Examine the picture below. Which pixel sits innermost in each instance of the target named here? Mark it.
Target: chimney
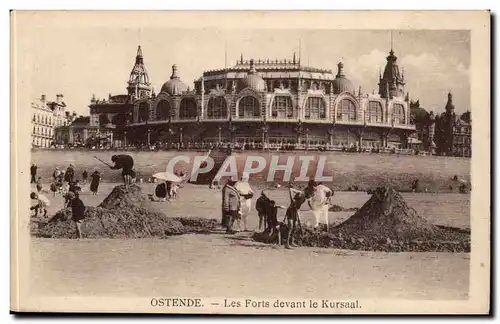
(42, 98)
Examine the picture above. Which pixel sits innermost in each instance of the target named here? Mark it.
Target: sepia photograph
(257, 162)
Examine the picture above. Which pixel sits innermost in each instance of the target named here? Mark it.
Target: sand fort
(384, 223)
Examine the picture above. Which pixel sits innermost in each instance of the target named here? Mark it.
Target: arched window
(34, 117)
(399, 114)
(50, 120)
(282, 107)
(375, 112)
(143, 113)
(34, 130)
(37, 118)
(315, 108)
(188, 109)
(163, 110)
(249, 107)
(103, 120)
(217, 108)
(346, 110)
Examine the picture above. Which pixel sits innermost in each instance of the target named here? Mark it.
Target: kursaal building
(263, 101)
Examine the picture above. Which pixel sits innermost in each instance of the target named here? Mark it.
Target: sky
(81, 61)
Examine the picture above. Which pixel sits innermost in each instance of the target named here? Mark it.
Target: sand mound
(122, 215)
(119, 197)
(386, 223)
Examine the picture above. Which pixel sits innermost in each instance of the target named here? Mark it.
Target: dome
(253, 80)
(174, 86)
(341, 83)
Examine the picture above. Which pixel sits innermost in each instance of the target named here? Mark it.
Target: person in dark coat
(264, 207)
(33, 172)
(161, 191)
(94, 183)
(77, 211)
(70, 174)
(85, 176)
(126, 163)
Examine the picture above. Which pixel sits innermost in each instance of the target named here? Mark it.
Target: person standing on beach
(39, 184)
(126, 163)
(94, 183)
(85, 176)
(33, 172)
(318, 197)
(77, 211)
(297, 198)
(56, 174)
(70, 174)
(230, 206)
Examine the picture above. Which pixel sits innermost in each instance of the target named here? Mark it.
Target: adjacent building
(46, 116)
(453, 133)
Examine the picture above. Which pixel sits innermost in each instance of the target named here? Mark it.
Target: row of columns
(300, 131)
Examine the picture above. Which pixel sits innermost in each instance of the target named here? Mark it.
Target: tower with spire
(450, 107)
(138, 83)
(391, 83)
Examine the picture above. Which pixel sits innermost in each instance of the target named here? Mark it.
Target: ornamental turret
(138, 83)
(391, 84)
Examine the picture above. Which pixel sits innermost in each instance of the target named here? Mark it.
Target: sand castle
(123, 215)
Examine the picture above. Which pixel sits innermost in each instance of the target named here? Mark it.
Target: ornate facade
(46, 116)
(263, 101)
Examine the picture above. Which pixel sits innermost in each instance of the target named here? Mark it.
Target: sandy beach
(234, 266)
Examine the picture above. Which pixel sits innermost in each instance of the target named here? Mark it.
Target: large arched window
(188, 109)
(143, 114)
(315, 108)
(163, 110)
(282, 107)
(103, 120)
(217, 108)
(375, 112)
(346, 110)
(399, 114)
(249, 107)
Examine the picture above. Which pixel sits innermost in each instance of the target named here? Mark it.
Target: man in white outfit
(318, 197)
(246, 194)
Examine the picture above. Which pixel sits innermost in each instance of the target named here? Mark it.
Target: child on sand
(39, 185)
(53, 188)
(42, 203)
(94, 184)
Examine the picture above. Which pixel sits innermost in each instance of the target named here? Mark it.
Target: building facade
(110, 117)
(273, 102)
(46, 116)
(452, 132)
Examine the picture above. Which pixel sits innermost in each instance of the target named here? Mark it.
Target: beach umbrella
(167, 176)
(243, 188)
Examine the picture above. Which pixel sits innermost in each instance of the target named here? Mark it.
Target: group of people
(64, 182)
(316, 194)
(167, 191)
